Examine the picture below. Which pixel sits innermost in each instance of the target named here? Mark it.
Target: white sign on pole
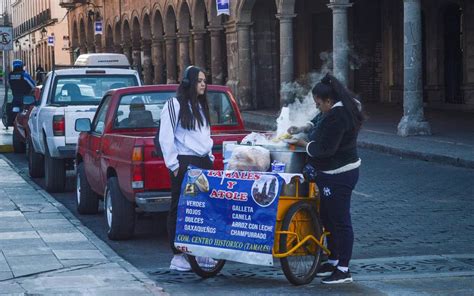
(222, 7)
(6, 38)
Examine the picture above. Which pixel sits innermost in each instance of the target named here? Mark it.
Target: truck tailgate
(72, 113)
(156, 173)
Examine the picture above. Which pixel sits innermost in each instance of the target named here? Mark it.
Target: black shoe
(338, 277)
(325, 270)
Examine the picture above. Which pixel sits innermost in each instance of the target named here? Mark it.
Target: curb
(431, 157)
(6, 148)
(108, 252)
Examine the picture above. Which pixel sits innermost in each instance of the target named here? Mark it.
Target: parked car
(117, 159)
(68, 94)
(21, 130)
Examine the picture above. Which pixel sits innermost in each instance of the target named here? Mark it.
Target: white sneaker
(180, 263)
(206, 262)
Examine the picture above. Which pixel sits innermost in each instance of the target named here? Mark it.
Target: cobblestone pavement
(414, 234)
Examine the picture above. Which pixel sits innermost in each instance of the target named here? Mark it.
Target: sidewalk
(44, 249)
(451, 142)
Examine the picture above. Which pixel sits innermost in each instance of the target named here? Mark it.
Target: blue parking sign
(50, 40)
(98, 27)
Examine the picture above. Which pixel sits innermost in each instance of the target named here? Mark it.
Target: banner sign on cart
(228, 215)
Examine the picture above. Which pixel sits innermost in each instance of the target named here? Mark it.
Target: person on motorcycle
(21, 85)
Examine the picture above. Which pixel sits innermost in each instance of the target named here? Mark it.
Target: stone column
(412, 122)
(147, 67)
(98, 42)
(126, 47)
(468, 55)
(136, 58)
(286, 52)
(118, 48)
(232, 58)
(216, 55)
(170, 42)
(340, 43)
(82, 48)
(245, 68)
(199, 53)
(183, 47)
(157, 59)
(90, 47)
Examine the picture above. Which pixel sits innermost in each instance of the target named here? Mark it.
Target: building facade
(416, 52)
(34, 21)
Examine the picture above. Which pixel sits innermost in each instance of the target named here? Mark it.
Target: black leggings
(184, 161)
(335, 191)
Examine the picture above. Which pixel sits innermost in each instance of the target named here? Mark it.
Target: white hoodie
(176, 140)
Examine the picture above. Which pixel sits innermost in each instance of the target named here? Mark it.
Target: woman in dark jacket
(332, 152)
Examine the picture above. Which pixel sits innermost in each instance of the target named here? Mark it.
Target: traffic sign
(50, 40)
(6, 40)
(98, 27)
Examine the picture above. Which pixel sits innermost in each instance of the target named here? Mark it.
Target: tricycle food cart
(299, 237)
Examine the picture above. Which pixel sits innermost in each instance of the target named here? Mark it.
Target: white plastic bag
(249, 158)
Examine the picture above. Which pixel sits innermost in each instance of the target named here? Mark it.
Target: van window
(87, 89)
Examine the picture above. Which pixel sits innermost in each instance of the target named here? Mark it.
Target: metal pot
(294, 159)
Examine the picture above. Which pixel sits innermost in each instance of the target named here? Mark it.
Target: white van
(102, 60)
(69, 94)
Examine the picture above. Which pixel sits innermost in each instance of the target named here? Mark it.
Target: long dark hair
(190, 102)
(331, 88)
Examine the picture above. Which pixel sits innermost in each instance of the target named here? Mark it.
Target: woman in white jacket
(185, 138)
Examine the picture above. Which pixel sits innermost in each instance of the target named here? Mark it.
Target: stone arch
(157, 25)
(146, 27)
(90, 35)
(74, 40)
(199, 17)
(118, 36)
(265, 48)
(170, 22)
(158, 49)
(82, 37)
(184, 18)
(126, 39)
(218, 46)
(244, 11)
(170, 43)
(451, 33)
(109, 38)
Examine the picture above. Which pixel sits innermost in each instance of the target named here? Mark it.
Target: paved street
(413, 225)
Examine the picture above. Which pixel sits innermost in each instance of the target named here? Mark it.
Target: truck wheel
(119, 212)
(18, 145)
(35, 161)
(54, 173)
(87, 200)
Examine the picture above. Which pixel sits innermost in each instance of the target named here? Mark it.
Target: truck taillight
(59, 125)
(137, 168)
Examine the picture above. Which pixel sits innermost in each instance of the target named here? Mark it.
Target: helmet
(17, 64)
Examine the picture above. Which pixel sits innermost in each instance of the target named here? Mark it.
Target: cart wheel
(300, 267)
(206, 267)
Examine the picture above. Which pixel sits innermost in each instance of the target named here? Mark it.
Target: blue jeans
(335, 191)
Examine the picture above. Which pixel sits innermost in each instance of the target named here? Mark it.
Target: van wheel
(54, 173)
(18, 145)
(119, 212)
(35, 161)
(87, 201)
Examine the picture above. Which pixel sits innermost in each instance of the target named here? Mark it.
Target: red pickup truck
(117, 159)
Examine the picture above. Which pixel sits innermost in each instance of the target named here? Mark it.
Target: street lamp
(43, 33)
